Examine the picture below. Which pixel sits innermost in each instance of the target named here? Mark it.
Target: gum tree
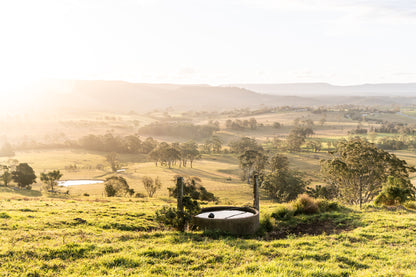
(357, 168)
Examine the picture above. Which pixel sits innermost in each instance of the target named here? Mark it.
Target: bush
(305, 204)
(109, 190)
(179, 220)
(282, 212)
(410, 205)
(139, 195)
(326, 192)
(395, 191)
(266, 224)
(117, 186)
(193, 189)
(151, 186)
(327, 206)
(4, 215)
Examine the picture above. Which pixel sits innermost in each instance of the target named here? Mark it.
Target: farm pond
(68, 183)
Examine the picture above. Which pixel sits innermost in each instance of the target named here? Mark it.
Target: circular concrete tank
(233, 220)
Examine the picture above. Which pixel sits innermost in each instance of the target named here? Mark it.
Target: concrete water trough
(229, 219)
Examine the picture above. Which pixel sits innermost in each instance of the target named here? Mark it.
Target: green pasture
(220, 174)
(84, 233)
(119, 237)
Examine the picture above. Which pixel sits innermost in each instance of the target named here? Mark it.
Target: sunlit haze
(207, 42)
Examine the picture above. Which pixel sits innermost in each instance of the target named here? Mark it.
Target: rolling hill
(120, 96)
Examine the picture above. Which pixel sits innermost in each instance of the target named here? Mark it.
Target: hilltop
(320, 89)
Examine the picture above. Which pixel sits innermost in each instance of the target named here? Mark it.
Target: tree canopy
(281, 183)
(357, 168)
(51, 178)
(117, 186)
(150, 185)
(24, 175)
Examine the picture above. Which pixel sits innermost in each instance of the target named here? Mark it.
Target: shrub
(266, 224)
(109, 190)
(410, 205)
(395, 191)
(305, 204)
(4, 215)
(177, 219)
(117, 186)
(326, 192)
(327, 206)
(282, 212)
(139, 195)
(193, 189)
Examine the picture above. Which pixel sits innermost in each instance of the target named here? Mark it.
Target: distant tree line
(212, 145)
(167, 154)
(241, 124)
(397, 142)
(109, 143)
(358, 130)
(395, 128)
(179, 130)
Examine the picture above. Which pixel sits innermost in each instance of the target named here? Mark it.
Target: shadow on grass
(23, 192)
(200, 173)
(333, 222)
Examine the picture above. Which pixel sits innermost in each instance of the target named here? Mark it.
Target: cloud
(374, 8)
(397, 7)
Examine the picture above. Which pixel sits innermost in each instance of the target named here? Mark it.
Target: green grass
(220, 173)
(75, 235)
(44, 237)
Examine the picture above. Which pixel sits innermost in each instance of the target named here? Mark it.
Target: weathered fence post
(256, 200)
(179, 186)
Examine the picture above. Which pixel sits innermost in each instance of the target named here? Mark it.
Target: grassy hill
(90, 237)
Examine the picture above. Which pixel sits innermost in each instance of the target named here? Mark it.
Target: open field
(219, 173)
(58, 128)
(73, 237)
(84, 233)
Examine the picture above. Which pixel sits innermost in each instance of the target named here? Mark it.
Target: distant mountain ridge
(120, 96)
(319, 89)
(142, 97)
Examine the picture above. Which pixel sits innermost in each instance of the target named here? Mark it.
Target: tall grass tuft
(305, 204)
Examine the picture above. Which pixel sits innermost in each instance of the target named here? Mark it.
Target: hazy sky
(211, 41)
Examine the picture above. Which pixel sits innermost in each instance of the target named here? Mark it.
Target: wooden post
(179, 186)
(256, 200)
